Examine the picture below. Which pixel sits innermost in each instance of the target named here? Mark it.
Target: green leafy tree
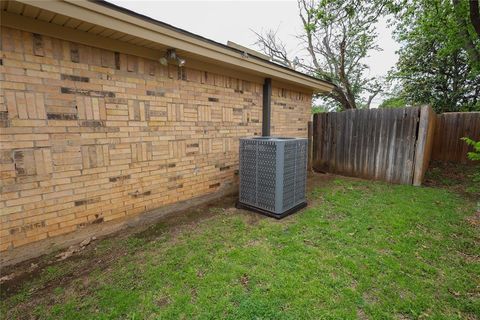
(393, 102)
(337, 35)
(439, 57)
(394, 97)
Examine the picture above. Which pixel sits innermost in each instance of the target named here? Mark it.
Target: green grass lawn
(365, 250)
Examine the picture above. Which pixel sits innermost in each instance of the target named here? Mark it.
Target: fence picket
(450, 128)
(374, 144)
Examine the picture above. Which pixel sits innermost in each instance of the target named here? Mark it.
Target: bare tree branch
(337, 35)
(273, 47)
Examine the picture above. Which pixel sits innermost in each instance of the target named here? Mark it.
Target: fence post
(423, 148)
(310, 145)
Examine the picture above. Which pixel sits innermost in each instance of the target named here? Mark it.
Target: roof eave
(110, 16)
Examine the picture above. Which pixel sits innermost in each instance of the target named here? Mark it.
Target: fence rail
(382, 144)
(449, 129)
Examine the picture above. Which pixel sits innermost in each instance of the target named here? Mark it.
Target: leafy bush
(475, 154)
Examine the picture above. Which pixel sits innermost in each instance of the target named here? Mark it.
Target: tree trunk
(475, 16)
(340, 96)
(343, 77)
(469, 46)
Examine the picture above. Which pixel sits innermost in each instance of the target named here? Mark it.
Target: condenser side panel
(248, 171)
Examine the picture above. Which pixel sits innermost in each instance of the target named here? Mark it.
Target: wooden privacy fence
(393, 145)
(449, 129)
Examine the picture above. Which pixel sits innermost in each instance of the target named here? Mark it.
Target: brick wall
(89, 136)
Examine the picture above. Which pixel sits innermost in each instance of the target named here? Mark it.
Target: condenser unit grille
(273, 173)
(266, 174)
(300, 171)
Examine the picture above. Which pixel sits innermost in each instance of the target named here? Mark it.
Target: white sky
(234, 20)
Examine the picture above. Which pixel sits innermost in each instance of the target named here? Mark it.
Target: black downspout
(267, 107)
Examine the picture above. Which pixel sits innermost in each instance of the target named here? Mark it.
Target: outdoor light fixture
(171, 55)
(163, 61)
(180, 62)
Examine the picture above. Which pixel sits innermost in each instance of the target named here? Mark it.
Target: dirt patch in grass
(89, 259)
(244, 280)
(162, 302)
(454, 177)
(316, 179)
(475, 219)
(361, 315)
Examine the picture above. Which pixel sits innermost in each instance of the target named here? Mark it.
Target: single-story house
(110, 118)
